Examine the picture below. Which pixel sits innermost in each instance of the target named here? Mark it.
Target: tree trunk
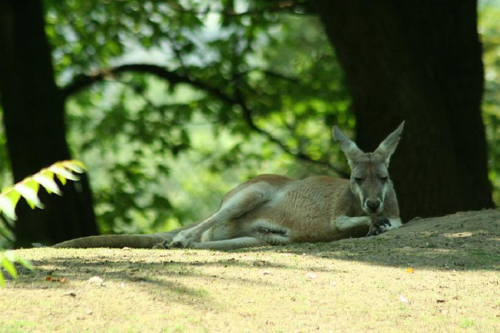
(33, 112)
(418, 61)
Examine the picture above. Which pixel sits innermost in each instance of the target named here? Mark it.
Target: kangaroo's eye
(358, 179)
(384, 179)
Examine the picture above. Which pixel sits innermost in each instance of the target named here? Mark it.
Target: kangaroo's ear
(351, 151)
(388, 146)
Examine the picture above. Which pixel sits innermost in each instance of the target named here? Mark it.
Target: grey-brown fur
(277, 210)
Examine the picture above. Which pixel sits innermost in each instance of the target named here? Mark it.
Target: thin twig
(247, 115)
(172, 77)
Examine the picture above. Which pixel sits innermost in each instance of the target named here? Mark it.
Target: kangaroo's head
(369, 171)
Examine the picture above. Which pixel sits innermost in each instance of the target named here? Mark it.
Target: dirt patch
(437, 274)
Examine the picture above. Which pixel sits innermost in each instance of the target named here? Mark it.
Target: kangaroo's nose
(373, 205)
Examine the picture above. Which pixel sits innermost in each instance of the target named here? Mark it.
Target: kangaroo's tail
(117, 241)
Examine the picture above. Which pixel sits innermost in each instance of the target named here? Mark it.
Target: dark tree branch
(284, 6)
(247, 115)
(84, 81)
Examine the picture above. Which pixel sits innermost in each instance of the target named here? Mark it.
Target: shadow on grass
(50, 272)
(176, 277)
(463, 241)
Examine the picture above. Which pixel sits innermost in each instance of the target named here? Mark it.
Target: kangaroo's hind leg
(230, 244)
(240, 203)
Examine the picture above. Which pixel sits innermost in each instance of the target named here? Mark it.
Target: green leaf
(26, 263)
(8, 202)
(9, 267)
(29, 191)
(62, 173)
(61, 179)
(10, 255)
(46, 179)
(28, 188)
(74, 165)
(2, 280)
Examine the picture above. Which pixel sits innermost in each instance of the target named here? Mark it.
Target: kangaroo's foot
(183, 239)
(160, 246)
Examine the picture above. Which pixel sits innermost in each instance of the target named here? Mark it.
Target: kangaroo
(277, 210)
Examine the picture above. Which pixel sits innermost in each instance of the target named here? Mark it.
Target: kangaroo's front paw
(379, 225)
(381, 222)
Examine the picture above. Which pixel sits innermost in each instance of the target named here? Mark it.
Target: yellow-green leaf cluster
(7, 260)
(28, 188)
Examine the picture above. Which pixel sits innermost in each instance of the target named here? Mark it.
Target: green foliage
(490, 37)
(7, 260)
(28, 189)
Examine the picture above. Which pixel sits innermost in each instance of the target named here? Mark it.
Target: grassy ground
(431, 275)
